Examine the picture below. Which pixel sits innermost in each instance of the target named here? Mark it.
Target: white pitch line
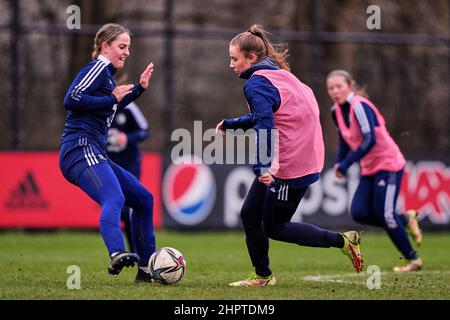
(340, 278)
(334, 278)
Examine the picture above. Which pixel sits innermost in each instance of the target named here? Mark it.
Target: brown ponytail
(107, 33)
(360, 91)
(255, 40)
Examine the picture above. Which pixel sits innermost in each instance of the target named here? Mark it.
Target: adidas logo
(26, 195)
(381, 183)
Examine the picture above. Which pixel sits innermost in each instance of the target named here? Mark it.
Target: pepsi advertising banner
(197, 196)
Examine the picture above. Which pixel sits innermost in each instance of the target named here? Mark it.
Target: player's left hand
(146, 75)
(266, 179)
(338, 174)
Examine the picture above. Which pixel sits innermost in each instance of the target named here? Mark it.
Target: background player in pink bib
(363, 138)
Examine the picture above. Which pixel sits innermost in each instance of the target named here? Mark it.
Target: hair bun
(255, 29)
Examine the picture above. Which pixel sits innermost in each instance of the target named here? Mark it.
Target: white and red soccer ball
(167, 265)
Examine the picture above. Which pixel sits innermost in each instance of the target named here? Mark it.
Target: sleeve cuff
(259, 171)
(226, 123)
(343, 167)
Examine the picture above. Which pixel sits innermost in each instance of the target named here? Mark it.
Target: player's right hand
(121, 91)
(266, 179)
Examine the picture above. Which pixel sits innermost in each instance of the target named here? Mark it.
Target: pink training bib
(299, 147)
(384, 155)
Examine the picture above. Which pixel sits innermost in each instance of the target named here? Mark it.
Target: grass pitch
(34, 266)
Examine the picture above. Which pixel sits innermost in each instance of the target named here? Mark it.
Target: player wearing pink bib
(364, 138)
(284, 114)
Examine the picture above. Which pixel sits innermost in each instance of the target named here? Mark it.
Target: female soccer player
(92, 102)
(364, 138)
(283, 110)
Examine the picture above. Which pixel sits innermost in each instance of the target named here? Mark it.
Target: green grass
(33, 266)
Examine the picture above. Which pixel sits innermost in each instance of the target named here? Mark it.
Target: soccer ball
(167, 265)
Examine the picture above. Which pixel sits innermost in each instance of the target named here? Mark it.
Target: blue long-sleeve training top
(90, 103)
(264, 100)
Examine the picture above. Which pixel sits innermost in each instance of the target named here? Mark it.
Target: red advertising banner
(426, 188)
(34, 193)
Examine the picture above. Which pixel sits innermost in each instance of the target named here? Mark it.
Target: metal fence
(315, 37)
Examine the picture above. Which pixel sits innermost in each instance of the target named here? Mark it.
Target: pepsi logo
(189, 191)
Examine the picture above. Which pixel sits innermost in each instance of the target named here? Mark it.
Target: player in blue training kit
(92, 102)
(128, 129)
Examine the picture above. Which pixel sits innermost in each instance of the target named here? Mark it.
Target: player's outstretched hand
(146, 75)
(121, 91)
(219, 128)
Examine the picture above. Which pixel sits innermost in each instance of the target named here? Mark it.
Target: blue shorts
(77, 155)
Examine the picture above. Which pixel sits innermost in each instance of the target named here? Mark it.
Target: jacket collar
(266, 63)
(104, 59)
(108, 63)
(350, 96)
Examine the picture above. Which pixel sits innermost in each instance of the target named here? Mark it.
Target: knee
(145, 200)
(147, 197)
(271, 231)
(359, 213)
(115, 202)
(389, 222)
(358, 217)
(385, 218)
(247, 217)
(112, 209)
